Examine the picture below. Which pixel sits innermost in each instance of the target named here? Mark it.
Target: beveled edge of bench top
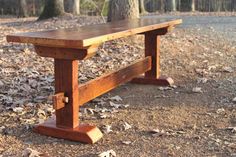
(93, 34)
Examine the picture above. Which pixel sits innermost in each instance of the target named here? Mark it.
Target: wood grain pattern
(105, 83)
(152, 48)
(82, 133)
(67, 46)
(66, 81)
(58, 101)
(93, 34)
(66, 53)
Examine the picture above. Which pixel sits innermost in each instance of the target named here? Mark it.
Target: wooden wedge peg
(59, 101)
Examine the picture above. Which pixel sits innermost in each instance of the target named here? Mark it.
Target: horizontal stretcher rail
(105, 83)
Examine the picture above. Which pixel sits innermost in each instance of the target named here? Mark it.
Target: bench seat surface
(93, 34)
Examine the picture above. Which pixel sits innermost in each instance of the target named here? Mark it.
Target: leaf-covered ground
(196, 117)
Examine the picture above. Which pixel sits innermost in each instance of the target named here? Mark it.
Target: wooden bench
(67, 46)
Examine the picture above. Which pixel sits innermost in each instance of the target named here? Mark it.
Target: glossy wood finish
(66, 81)
(152, 48)
(66, 53)
(59, 101)
(105, 83)
(94, 34)
(67, 46)
(82, 133)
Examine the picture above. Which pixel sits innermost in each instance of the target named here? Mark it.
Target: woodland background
(100, 7)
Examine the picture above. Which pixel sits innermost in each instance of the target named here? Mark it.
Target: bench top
(93, 34)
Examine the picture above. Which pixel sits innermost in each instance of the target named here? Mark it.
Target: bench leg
(66, 123)
(152, 48)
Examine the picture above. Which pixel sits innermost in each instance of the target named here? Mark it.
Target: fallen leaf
(115, 105)
(197, 90)
(180, 132)
(116, 98)
(41, 114)
(232, 129)
(2, 129)
(156, 132)
(28, 152)
(126, 142)
(1, 83)
(103, 116)
(18, 109)
(107, 129)
(90, 111)
(233, 146)
(234, 100)
(127, 126)
(202, 80)
(228, 69)
(126, 106)
(165, 88)
(220, 111)
(109, 153)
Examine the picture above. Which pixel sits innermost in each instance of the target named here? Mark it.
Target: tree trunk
(234, 5)
(22, 12)
(174, 5)
(72, 6)
(122, 9)
(52, 8)
(192, 5)
(161, 6)
(171, 5)
(141, 7)
(178, 5)
(34, 8)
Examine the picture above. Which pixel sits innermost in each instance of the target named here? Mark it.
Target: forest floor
(196, 117)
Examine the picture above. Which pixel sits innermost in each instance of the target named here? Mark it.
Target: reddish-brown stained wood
(82, 133)
(59, 101)
(67, 46)
(152, 48)
(66, 81)
(103, 84)
(160, 31)
(93, 34)
(66, 53)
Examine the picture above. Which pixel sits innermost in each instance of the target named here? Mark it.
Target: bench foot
(83, 133)
(161, 81)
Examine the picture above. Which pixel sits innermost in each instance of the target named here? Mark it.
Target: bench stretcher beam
(105, 83)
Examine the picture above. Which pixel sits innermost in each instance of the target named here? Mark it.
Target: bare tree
(142, 9)
(192, 5)
(171, 5)
(122, 9)
(22, 10)
(72, 6)
(162, 6)
(234, 5)
(52, 8)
